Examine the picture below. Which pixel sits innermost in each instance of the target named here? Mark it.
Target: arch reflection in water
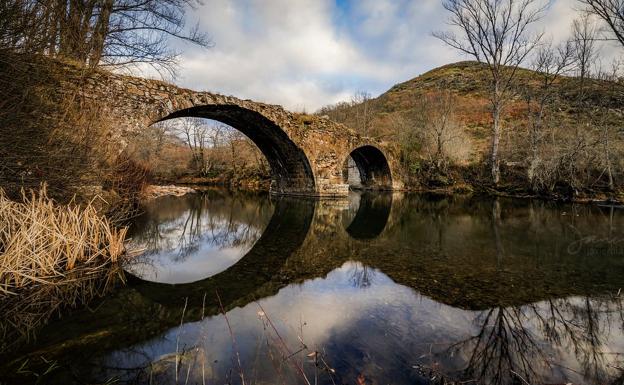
(196, 236)
(200, 235)
(371, 217)
(284, 235)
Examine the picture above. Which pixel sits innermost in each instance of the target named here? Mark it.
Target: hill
(554, 148)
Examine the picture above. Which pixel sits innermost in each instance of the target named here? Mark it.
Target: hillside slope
(578, 117)
(469, 83)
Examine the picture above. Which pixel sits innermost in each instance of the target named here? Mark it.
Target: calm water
(376, 289)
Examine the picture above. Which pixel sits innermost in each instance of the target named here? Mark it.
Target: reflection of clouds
(204, 262)
(197, 239)
(329, 307)
(387, 330)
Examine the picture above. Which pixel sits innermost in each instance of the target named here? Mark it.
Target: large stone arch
(290, 168)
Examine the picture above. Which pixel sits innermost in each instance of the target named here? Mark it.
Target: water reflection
(576, 339)
(371, 214)
(386, 332)
(378, 289)
(196, 236)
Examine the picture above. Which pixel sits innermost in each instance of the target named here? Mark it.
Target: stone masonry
(307, 153)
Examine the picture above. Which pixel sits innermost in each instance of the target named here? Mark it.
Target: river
(380, 288)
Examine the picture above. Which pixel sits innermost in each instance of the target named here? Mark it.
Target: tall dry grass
(41, 242)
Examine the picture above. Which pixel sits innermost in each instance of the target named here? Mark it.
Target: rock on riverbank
(153, 192)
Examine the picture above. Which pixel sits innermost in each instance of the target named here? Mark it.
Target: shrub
(41, 242)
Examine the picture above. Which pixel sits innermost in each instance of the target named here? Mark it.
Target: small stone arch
(290, 167)
(371, 167)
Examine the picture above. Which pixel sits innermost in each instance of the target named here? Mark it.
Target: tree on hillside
(99, 32)
(362, 101)
(443, 137)
(494, 32)
(584, 37)
(549, 64)
(612, 14)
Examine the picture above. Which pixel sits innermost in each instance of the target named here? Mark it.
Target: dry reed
(42, 243)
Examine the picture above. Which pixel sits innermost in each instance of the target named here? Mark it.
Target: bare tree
(549, 64)
(201, 138)
(235, 138)
(612, 13)
(442, 135)
(584, 35)
(494, 32)
(608, 130)
(100, 32)
(362, 102)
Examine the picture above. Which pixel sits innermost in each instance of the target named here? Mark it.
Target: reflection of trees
(525, 343)
(203, 219)
(496, 223)
(361, 276)
(501, 347)
(24, 315)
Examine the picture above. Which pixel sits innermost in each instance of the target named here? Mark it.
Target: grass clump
(43, 243)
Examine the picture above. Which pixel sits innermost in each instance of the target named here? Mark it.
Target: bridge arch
(305, 152)
(290, 167)
(366, 167)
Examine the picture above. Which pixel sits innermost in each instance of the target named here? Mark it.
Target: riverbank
(465, 189)
(156, 191)
(233, 182)
(53, 256)
(151, 192)
(475, 179)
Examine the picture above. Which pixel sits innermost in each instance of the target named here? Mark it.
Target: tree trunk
(607, 157)
(100, 32)
(496, 111)
(438, 149)
(536, 130)
(233, 155)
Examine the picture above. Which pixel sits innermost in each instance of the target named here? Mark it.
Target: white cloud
(308, 53)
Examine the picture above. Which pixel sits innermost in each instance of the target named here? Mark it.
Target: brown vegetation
(200, 151)
(41, 241)
(53, 256)
(566, 157)
(50, 133)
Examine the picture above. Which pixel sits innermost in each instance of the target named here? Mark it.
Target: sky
(304, 54)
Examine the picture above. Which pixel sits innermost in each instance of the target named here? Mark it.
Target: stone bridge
(307, 154)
